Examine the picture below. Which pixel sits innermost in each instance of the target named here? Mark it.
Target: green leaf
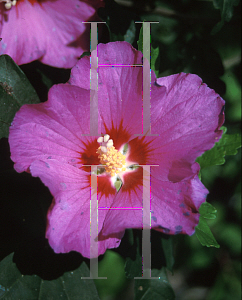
(226, 8)
(167, 246)
(45, 79)
(207, 211)
(14, 285)
(155, 60)
(130, 236)
(119, 21)
(227, 145)
(204, 234)
(86, 53)
(15, 90)
(233, 95)
(133, 267)
(151, 289)
(140, 41)
(112, 267)
(130, 33)
(161, 253)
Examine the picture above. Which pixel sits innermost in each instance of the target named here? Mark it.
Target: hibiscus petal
(119, 88)
(52, 129)
(68, 227)
(125, 212)
(187, 119)
(51, 31)
(174, 207)
(185, 115)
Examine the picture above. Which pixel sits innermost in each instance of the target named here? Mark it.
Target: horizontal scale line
(117, 208)
(121, 65)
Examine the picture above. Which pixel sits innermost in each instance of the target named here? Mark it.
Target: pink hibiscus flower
(50, 140)
(48, 30)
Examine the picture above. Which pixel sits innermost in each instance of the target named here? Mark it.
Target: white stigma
(105, 142)
(100, 140)
(110, 143)
(106, 137)
(9, 3)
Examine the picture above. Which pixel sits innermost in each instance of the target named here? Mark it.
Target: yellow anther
(111, 158)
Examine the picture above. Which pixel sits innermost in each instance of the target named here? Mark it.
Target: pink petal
(69, 216)
(174, 207)
(119, 88)
(187, 119)
(51, 31)
(124, 212)
(51, 130)
(185, 114)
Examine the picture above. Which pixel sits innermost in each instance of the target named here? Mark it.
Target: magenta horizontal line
(120, 208)
(93, 165)
(146, 135)
(117, 65)
(149, 165)
(104, 165)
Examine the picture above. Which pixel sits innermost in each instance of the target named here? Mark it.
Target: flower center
(113, 160)
(9, 3)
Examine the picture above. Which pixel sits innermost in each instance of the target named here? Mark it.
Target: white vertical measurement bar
(94, 132)
(94, 224)
(146, 243)
(94, 82)
(94, 79)
(94, 227)
(146, 78)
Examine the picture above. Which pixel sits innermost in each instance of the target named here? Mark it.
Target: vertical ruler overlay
(146, 79)
(146, 130)
(94, 132)
(146, 244)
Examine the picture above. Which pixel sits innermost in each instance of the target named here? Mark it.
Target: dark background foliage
(196, 36)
